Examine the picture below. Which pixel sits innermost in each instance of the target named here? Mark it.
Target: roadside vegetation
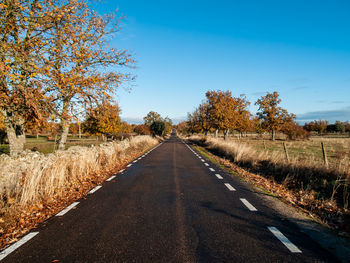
(35, 186)
(311, 163)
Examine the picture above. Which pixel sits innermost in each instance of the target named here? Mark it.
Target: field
(337, 149)
(44, 145)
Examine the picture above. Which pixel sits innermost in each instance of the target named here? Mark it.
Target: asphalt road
(169, 206)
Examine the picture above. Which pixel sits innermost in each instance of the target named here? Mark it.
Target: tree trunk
(64, 134)
(216, 133)
(226, 134)
(15, 135)
(273, 135)
(79, 130)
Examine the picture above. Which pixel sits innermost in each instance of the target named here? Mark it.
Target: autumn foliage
(55, 62)
(221, 112)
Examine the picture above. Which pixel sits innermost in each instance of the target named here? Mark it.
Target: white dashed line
(230, 187)
(121, 170)
(219, 176)
(129, 165)
(292, 248)
(95, 189)
(206, 164)
(202, 160)
(211, 169)
(16, 245)
(110, 178)
(135, 161)
(248, 205)
(67, 209)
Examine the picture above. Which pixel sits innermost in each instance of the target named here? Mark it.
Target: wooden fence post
(324, 153)
(286, 151)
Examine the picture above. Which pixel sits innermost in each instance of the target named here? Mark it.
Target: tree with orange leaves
(227, 113)
(273, 116)
(104, 120)
(22, 27)
(79, 72)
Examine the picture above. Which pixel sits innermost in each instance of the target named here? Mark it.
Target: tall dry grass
(298, 174)
(34, 176)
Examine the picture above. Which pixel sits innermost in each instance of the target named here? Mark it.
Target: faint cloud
(133, 120)
(302, 88)
(299, 80)
(338, 102)
(259, 93)
(331, 115)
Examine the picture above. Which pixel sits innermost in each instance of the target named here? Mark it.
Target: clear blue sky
(300, 48)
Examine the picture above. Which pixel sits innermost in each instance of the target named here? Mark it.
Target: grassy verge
(306, 185)
(35, 186)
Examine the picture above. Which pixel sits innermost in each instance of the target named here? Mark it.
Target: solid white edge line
(230, 187)
(67, 209)
(248, 205)
(219, 176)
(16, 245)
(211, 169)
(110, 178)
(292, 248)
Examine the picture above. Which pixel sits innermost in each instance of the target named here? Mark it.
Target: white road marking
(206, 164)
(230, 187)
(292, 248)
(110, 178)
(121, 170)
(95, 189)
(16, 245)
(248, 205)
(129, 165)
(67, 209)
(219, 176)
(135, 161)
(202, 160)
(211, 169)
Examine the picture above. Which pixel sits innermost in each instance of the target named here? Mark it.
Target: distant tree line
(322, 126)
(221, 112)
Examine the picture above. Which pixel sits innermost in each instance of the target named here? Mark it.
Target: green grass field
(43, 145)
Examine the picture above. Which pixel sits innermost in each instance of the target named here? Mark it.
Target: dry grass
(35, 179)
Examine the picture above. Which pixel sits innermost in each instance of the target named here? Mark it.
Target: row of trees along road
(222, 112)
(54, 63)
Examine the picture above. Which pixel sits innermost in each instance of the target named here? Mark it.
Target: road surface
(171, 205)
